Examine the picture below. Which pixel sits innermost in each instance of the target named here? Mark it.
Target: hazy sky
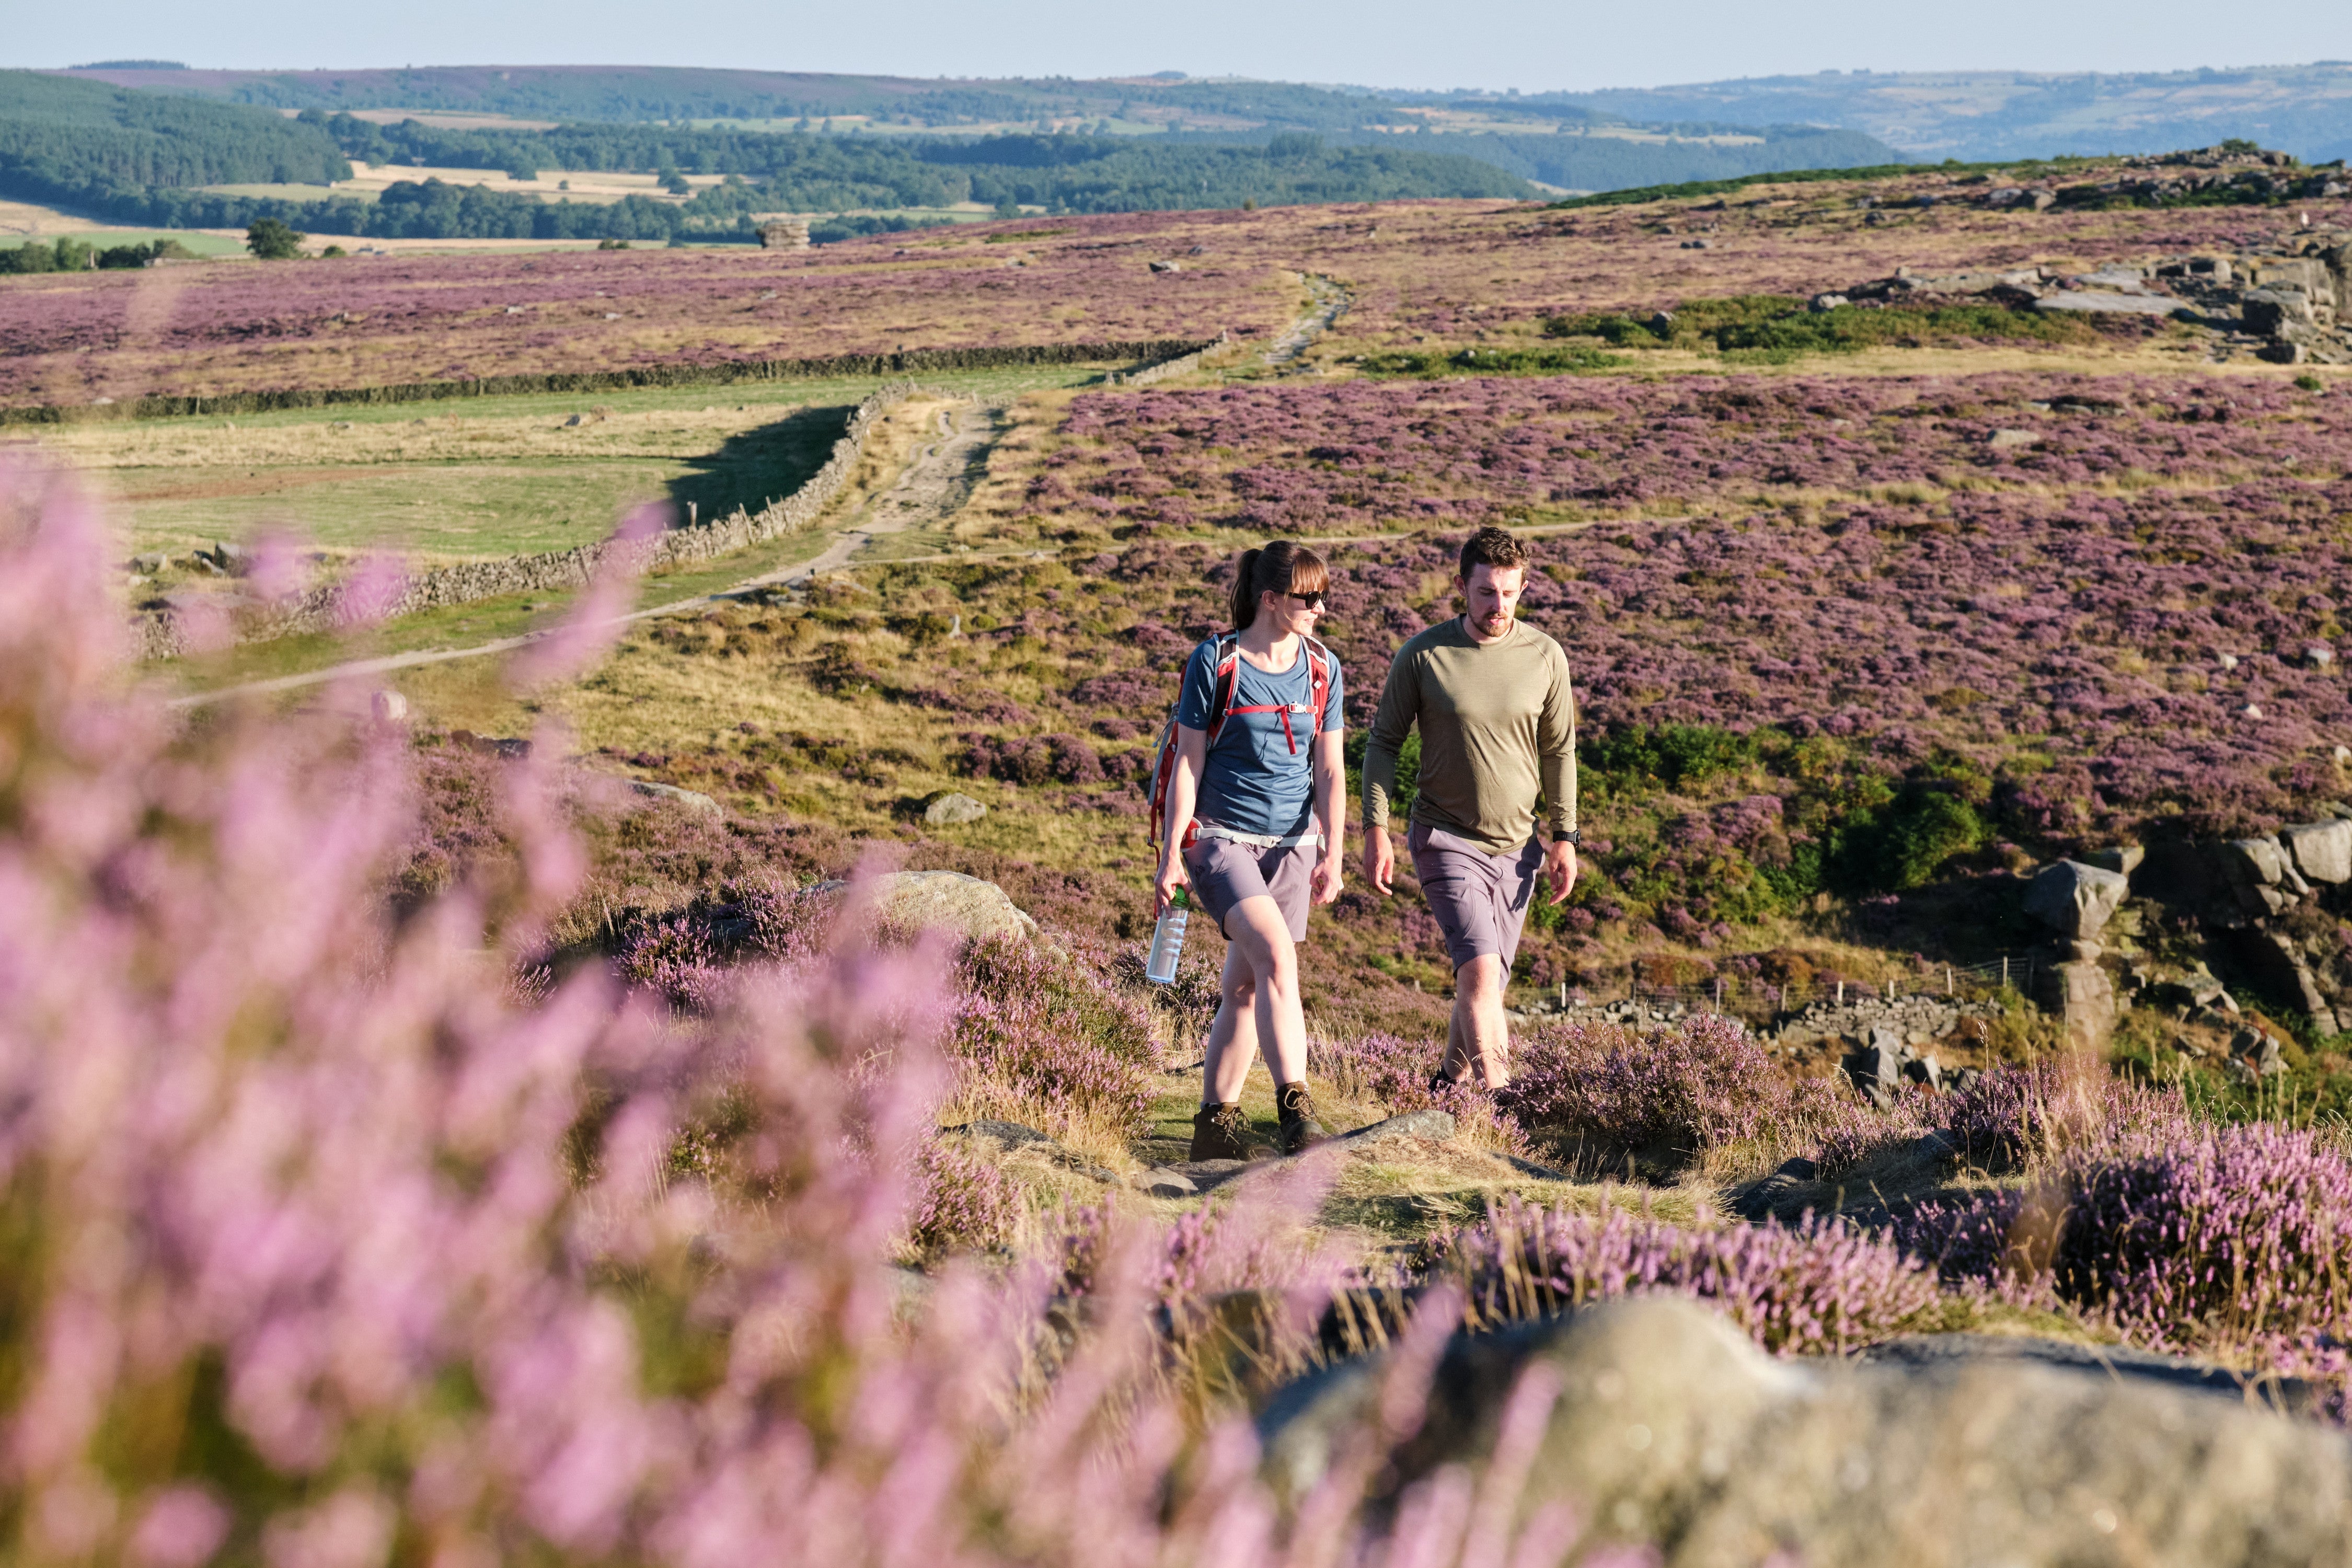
(1527, 44)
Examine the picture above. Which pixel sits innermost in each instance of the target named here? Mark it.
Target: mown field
(484, 477)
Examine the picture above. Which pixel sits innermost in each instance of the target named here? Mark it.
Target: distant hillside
(2303, 109)
(1548, 140)
(77, 140)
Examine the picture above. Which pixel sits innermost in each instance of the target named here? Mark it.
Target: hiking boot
(1299, 1131)
(1221, 1132)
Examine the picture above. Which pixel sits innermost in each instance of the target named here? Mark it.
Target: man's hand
(1328, 873)
(1560, 868)
(1170, 877)
(1380, 859)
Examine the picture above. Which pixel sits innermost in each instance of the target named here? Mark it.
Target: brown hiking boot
(1299, 1131)
(1221, 1132)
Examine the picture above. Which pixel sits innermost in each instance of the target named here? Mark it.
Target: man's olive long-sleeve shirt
(1497, 724)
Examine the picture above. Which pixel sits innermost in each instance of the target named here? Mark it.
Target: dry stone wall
(726, 372)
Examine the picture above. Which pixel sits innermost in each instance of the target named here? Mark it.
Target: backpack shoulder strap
(1319, 665)
(1225, 676)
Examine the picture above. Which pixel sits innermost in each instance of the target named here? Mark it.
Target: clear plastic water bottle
(1168, 940)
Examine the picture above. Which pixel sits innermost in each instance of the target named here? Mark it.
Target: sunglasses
(1312, 601)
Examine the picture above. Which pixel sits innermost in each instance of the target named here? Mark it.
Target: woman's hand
(1328, 873)
(1172, 876)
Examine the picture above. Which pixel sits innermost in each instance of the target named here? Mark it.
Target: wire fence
(1740, 996)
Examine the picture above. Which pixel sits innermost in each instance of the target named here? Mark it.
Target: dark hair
(1492, 547)
(1281, 567)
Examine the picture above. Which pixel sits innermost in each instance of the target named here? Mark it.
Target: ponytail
(1245, 589)
(1281, 567)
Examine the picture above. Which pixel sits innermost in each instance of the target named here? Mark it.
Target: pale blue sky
(1525, 44)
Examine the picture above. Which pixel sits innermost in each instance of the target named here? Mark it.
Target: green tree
(274, 241)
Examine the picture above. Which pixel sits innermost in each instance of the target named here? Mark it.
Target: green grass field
(479, 477)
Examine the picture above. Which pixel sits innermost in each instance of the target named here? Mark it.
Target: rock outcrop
(1672, 1428)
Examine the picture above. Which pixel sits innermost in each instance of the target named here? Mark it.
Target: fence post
(1841, 993)
(1947, 982)
(2004, 972)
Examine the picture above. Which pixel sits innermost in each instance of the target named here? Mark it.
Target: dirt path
(928, 492)
(1328, 302)
(931, 491)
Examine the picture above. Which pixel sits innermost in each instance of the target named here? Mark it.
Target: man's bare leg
(1478, 1033)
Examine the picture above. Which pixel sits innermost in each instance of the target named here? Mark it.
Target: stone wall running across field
(1153, 352)
(325, 608)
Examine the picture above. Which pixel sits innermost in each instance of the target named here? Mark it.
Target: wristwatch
(1571, 836)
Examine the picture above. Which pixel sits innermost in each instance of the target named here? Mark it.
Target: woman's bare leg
(1233, 1035)
(1262, 939)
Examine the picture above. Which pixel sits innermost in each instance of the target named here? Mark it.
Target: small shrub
(2235, 1234)
(960, 1203)
(1817, 1288)
(1044, 1037)
(1661, 1098)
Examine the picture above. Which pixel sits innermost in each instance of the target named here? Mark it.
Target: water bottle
(1167, 941)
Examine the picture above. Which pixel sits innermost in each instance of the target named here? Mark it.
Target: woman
(1255, 806)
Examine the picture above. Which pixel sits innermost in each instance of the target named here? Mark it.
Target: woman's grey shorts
(1223, 873)
(1480, 899)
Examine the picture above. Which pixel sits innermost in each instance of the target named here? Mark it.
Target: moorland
(585, 956)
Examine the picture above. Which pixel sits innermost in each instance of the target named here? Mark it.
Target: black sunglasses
(1312, 601)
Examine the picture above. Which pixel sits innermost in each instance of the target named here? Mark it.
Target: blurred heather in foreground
(328, 1244)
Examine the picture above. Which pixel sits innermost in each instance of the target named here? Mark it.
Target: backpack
(1226, 679)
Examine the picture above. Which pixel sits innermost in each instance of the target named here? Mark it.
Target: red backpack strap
(1319, 680)
(1224, 677)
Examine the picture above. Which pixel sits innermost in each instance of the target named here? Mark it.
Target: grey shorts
(1480, 899)
(1223, 873)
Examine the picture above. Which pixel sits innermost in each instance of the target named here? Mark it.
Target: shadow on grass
(761, 465)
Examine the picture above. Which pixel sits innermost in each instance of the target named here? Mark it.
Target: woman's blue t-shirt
(1251, 781)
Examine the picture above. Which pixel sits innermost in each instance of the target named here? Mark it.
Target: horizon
(1592, 49)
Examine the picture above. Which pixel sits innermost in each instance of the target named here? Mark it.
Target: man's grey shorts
(1480, 899)
(1223, 873)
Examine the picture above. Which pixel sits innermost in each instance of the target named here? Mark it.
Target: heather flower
(1817, 1288)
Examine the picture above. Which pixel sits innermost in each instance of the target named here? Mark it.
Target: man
(1497, 724)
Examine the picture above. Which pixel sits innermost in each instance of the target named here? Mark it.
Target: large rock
(2081, 996)
(939, 900)
(691, 799)
(1672, 1428)
(2322, 851)
(2075, 900)
(2098, 302)
(948, 808)
(2284, 969)
(2272, 310)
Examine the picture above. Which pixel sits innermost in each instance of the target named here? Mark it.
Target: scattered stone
(2075, 900)
(2123, 860)
(1166, 267)
(387, 706)
(2010, 441)
(1162, 1182)
(2251, 710)
(2272, 310)
(1672, 1426)
(948, 808)
(1435, 1125)
(2093, 302)
(2228, 661)
(2081, 996)
(2318, 655)
(2257, 1052)
(1820, 302)
(1207, 1174)
(1698, 245)
(575, 421)
(693, 800)
(2321, 851)
(964, 906)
